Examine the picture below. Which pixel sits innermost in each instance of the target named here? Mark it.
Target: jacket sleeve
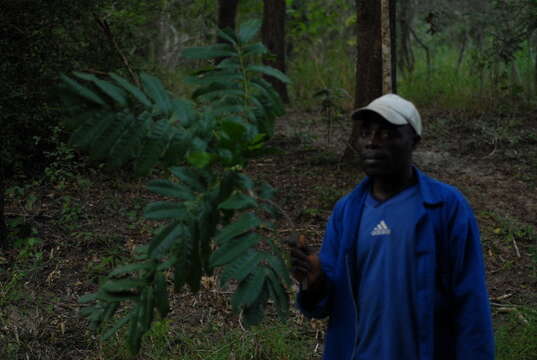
(328, 258)
(471, 308)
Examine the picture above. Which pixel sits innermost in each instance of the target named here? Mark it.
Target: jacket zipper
(354, 305)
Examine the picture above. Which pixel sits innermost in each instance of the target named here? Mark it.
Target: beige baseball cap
(395, 110)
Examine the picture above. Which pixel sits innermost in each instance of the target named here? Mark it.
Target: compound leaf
(114, 92)
(233, 248)
(154, 88)
(168, 188)
(237, 201)
(132, 89)
(248, 30)
(118, 325)
(189, 177)
(83, 91)
(165, 210)
(161, 295)
(122, 285)
(241, 267)
(129, 268)
(165, 239)
(270, 71)
(245, 223)
(249, 289)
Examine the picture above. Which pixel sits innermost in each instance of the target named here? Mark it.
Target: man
(400, 272)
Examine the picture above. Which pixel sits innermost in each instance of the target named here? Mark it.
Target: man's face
(385, 149)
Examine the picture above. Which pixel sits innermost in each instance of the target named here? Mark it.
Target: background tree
(273, 33)
(3, 226)
(368, 62)
(227, 12)
(405, 18)
(389, 53)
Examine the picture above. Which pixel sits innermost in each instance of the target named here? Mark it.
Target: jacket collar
(428, 188)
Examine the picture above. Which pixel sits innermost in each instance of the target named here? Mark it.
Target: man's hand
(304, 264)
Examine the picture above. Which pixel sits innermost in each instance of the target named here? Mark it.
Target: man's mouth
(372, 157)
(372, 161)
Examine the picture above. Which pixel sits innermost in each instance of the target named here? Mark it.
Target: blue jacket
(448, 251)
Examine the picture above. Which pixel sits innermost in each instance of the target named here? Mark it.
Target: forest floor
(73, 227)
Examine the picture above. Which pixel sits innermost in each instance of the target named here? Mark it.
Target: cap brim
(390, 116)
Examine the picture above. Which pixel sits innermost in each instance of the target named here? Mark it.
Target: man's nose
(374, 139)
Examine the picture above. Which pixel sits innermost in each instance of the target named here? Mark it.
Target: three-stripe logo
(381, 229)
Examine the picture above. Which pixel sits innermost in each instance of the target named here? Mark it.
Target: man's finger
(299, 253)
(300, 263)
(291, 242)
(301, 241)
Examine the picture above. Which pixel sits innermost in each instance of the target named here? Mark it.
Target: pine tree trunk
(273, 33)
(369, 71)
(388, 52)
(393, 43)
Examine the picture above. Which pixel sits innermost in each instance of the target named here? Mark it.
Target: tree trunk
(462, 51)
(273, 33)
(427, 53)
(393, 42)
(227, 10)
(387, 41)
(169, 39)
(3, 226)
(535, 63)
(535, 75)
(405, 19)
(369, 70)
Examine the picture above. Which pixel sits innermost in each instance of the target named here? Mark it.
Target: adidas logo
(381, 229)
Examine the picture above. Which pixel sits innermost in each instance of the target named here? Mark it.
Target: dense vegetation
(233, 114)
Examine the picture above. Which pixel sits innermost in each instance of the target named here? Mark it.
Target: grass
(271, 341)
(515, 339)
(443, 85)
(314, 68)
(10, 289)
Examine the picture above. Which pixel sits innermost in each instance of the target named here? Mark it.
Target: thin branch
(96, 72)
(106, 29)
(425, 47)
(279, 208)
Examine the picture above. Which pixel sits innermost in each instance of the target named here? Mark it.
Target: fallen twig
(502, 297)
(500, 305)
(516, 248)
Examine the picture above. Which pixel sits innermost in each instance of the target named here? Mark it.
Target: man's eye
(385, 134)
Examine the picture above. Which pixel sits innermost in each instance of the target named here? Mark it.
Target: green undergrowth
(470, 86)
(271, 341)
(473, 85)
(515, 339)
(314, 69)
